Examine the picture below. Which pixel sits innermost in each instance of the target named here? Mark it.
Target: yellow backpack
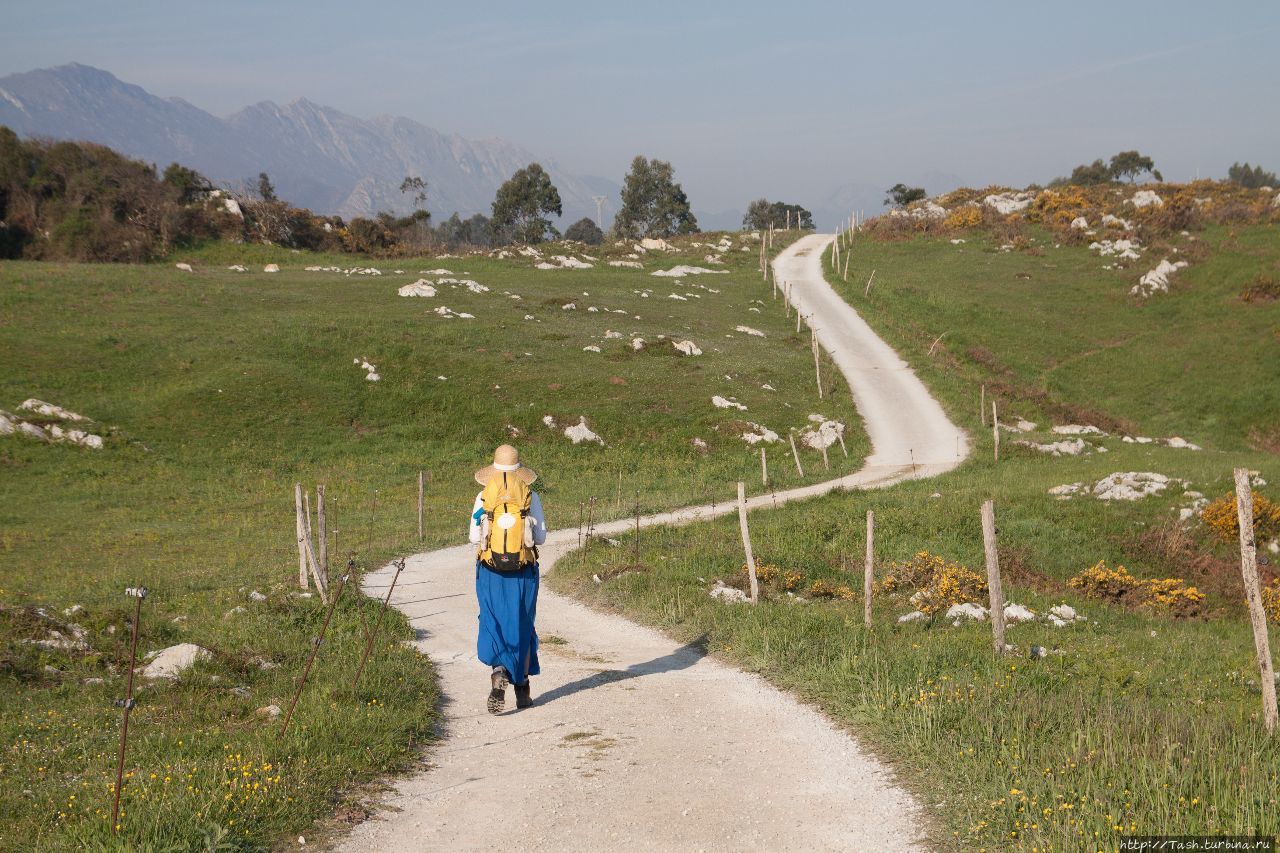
(506, 531)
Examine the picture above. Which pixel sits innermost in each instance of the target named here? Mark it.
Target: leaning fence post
(315, 648)
(139, 593)
(377, 625)
(764, 469)
(795, 453)
(993, 575)
(995, 430)
(1257, 615)
(299, 533)
(746, 541)
(869, 570)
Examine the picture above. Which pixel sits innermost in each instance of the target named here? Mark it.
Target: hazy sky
(787, 100)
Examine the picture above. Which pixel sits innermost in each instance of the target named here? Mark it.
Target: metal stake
(139, 593)
(377, 626)
(311, 659)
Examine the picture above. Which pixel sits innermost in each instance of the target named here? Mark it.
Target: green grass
(223, 389)
(1135, 722)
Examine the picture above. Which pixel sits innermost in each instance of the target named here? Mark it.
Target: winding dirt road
(636, 742)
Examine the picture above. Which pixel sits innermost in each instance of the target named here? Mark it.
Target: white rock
(1066, 447)
(759, 433)
(750, 331)
(273, 711)
(184, 267)
(569, 306)
(421, 287)
(722, 403)
(591, 348)
(637, 344)
(1129, 485)
(1146, 198)
(33, 431)
(40, 407)
(823, 434)
(687, 347)
(913, 616)
(629, 264)
(611, 335)
(1006, 203)
(238, 268)
(968, 610)
(728, 594)
(1077, 429)
(1079, 223)
(1182, 443)
(171, 662)
(549, 421)
(1156, 280)
(683, 269)
(699, 444)
(580, 432)
(655, 244)
(271, 268)
(257, 596)
(1015, 613)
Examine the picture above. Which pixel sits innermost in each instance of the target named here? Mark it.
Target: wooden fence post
(795, 453)
(746, 541)
(826, 463)
(995, 429)
(298, 534)
(421, 490)
(764, 469)
(1257, 615)
(871, 278)
(982, 405)
(869, 570)
(322, 540)
(994, 586)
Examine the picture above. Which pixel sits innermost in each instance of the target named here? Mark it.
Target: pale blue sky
(788, 100)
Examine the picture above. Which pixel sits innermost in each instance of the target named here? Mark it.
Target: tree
(523, 203)
(586, 231)
(901, 195)
(762, 213)
(653, 204)
(188, 183)
(418, 187)
(1251, 176)
(1131, 164)
(1096, 172)
(265, 190)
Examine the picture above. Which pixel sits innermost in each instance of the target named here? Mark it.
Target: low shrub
(936, 582)
(1171, 596)
(1222, 518)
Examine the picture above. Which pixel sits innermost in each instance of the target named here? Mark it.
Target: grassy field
(217, 391)
(1134, 722)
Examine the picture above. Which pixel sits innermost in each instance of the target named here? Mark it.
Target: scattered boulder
(1062, 615)
(958, 613)
(269, 711)
(1066, 447)
(686, 348)
(1156, 280)
(750, 331)
(1006, 203)
(421, 287)
(173, 661)
(1146, 198)
(1015, 613)
(40, 407)
(1077, 429)
(271, 268)
(683, 270)
(728, 594)
(184, 267)
(1130, 485)
(913, 616)
(257, 596)
(722, 403)
(758, 433)
(580, 432)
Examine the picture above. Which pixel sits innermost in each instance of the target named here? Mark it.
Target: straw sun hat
(506, 459)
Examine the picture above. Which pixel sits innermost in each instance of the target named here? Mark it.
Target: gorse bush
(1222, 517)
(1170, 596)
(936, 583)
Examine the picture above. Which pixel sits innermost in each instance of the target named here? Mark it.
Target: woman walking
(507, 526)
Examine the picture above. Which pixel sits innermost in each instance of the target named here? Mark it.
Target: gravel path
(636, 742)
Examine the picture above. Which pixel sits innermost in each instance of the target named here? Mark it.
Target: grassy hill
(1139, 719)
(217, 390)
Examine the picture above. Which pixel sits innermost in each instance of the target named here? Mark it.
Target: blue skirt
(508, 605)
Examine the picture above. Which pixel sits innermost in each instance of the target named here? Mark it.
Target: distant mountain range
(317, 157)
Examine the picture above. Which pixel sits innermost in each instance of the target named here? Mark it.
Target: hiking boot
(498, 690)
(523, 699)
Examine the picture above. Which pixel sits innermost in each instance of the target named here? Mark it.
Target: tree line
(83, 201)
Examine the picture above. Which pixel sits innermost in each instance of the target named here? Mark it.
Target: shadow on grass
(682, 658)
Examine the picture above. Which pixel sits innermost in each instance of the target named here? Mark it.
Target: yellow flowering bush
(825, 589)
(1222, 518)
(937, 582)
(969, 216)
(1168, 595)
(1271, 600)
